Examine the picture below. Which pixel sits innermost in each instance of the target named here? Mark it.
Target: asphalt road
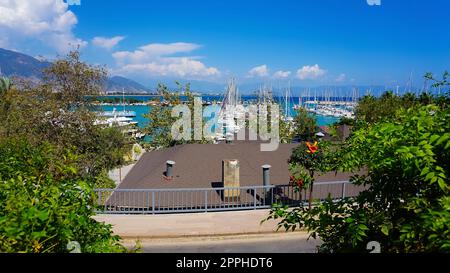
(262, 243)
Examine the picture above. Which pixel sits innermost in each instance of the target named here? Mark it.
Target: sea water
(141, 110)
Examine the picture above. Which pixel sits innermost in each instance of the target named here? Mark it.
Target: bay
(144, 109)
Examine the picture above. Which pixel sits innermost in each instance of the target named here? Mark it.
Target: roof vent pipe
(169, 169)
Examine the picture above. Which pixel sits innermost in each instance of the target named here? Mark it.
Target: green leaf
(38, 234)
(429, 176)
(425, 171)
(442, 184)
(442, 139)
(349, 220)
(433, 138)
(363, 227)
(385, 230)
(43, 215)
(447, 145)
(403, 149)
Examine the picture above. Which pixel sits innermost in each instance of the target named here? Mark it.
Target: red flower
(312, 148)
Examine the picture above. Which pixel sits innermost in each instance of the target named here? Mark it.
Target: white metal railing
(157, 201)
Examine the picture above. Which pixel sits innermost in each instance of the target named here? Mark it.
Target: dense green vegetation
(160, 120)
(371, 109)
(115, 100)
(63, 118)
(45, 203)
(51, 157)
(303, 127)
(307, 160)
(406, 206)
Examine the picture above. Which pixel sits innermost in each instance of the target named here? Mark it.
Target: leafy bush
(64, 118)
(406, 207)
(307, 160)
(371, 109)
(305, 125)
(45, 203)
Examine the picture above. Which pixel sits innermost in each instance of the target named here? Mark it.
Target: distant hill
(17, 64)
(14, 63)
(196, 86)
(119, 84)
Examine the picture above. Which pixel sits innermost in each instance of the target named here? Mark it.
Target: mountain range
(17, 64)
(14, 63)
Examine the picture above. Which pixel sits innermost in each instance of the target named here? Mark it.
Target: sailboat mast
(286, 104)
(123, 99)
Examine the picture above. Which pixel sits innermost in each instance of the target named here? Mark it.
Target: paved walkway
(119, 174)
(192, 224)
(292, 242)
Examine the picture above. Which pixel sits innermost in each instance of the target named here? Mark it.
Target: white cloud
(281, 74)
(151, 51)
(156, 60)
(48, 21)
(107, 43)
(181, 67)
(310, 72)
(258, 71)
(342, 77)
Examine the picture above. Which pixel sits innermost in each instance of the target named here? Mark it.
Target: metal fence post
(153, 202)
(266, 183)
(254, 198)
(104, 204)
(271, 195)
(206, 200)
(343, 190)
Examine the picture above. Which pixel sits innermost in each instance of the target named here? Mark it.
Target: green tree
(161, 120)
(371, 109)
(70, 81)
(45, 203)
(58, 111)
(443, 98)
(286, 130)
(305, 125)
(52, 153)
(307, 160)
(406, 206)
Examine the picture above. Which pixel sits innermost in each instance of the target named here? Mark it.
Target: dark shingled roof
(200, 166)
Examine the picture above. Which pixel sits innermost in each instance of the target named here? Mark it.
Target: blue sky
(316, 42)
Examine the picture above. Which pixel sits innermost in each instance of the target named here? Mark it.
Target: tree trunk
(311, 173)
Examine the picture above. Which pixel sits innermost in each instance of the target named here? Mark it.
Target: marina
(136, 112)
(115, 110)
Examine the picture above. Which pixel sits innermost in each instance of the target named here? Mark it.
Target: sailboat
(230, 111)
(299, 105)
(123, 113)
(287, 99)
